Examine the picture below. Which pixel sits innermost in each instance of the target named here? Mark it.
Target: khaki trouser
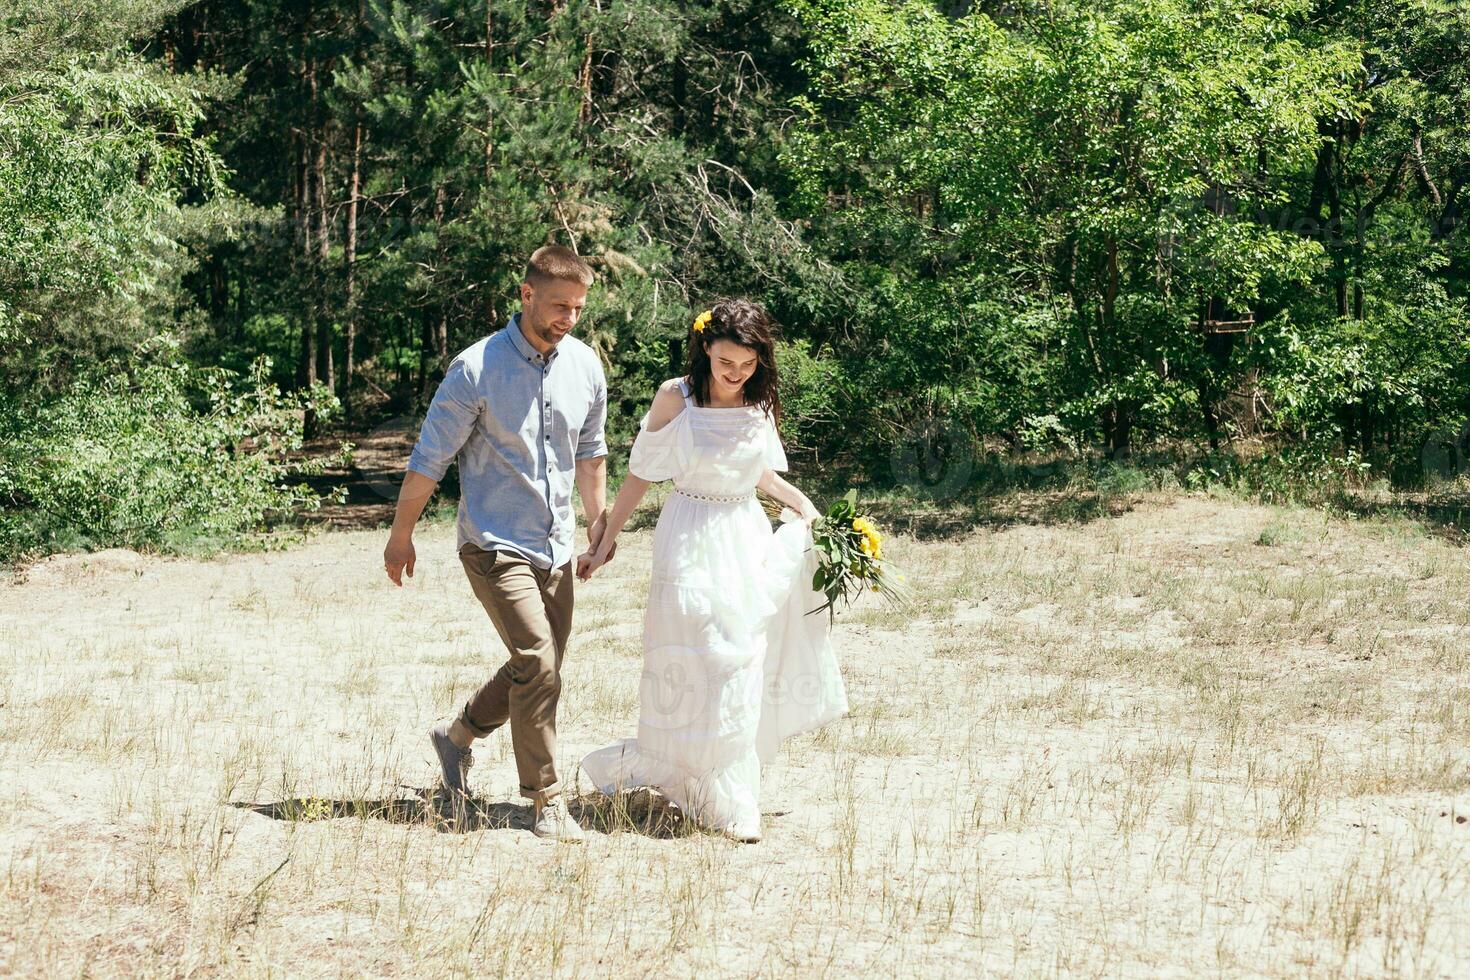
(532, 611)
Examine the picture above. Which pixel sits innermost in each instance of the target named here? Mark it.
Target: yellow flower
(702, 321)
(871, 543)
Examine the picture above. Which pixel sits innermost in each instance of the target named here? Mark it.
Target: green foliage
(1029, 196)
(814, 395)
(97, 151)
(1038, 202)
(998, 222)
(643, 135)
(153, 453)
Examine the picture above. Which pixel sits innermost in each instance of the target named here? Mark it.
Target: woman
(732, 663)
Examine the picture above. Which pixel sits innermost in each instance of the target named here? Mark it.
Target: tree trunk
(1333, 239)
(1118, 419)
(1321, 178)
(1212, 417)
(441, 313)
(322, 251)
(306, 371)
(489, 112)
(1120, 424)
(1449, 218)
(1218, 348)
(680, 93)
(425, 345)
(584, 112)
(349, 263)
(306, 239)
(219, 288)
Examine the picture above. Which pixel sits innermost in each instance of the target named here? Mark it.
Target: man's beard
(542, 330)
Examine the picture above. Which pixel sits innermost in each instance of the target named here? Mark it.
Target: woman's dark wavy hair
(746, 323)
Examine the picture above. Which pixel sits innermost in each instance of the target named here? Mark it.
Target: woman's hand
(791, 498)
(594, 558)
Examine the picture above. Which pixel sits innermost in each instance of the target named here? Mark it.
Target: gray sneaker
(454, 762)
(554, 822)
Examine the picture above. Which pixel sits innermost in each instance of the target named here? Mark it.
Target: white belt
(717, 498)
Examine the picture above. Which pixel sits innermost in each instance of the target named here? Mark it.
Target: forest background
(1187, 242)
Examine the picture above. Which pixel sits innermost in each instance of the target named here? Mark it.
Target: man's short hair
(557, 262)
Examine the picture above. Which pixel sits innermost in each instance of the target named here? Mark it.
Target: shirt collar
(523, 345)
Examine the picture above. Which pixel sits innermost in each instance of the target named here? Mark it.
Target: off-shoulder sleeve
(665, 454)
(775, 452)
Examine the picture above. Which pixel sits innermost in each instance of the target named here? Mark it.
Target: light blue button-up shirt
(518, 423)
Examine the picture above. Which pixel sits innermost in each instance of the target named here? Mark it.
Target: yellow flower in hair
(702, 321)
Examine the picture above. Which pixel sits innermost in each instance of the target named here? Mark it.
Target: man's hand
(398, 557)
(594, 538)
(587, 563)
(604, 546)
(412, 496)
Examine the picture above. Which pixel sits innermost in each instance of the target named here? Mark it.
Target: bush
(812, 395)
(150, 452)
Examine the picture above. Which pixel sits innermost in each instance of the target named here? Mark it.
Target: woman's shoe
(744, 831)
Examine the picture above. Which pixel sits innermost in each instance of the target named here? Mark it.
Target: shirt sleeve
(448, 424)
(775, 452)
(664, 454)
(592, 439)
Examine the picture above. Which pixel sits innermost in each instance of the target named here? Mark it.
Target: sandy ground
(1199, 738)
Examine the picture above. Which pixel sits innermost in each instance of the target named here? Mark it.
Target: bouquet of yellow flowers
(850, 557)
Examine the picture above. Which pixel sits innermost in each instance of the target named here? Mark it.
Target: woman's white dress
(732, 662)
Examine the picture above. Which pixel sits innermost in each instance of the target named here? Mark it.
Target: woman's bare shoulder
(668, 402)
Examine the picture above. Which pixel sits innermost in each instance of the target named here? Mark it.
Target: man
(523, 410)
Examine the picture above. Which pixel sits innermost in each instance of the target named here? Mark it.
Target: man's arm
(447, 426)
(398, 557)
(592, 488)
(591, 463)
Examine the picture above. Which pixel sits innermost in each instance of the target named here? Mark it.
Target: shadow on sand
(640, 812)
(425, 806)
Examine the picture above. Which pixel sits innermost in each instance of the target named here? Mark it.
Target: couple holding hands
(732, 662)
